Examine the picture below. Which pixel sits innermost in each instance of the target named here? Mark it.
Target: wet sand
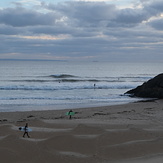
(111, 134)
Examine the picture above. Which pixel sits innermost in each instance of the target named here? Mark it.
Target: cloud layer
(83, 30)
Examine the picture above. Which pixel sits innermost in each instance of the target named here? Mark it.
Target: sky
(82, 30)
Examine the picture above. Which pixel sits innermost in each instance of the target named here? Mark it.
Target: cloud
(9, 30)
(157, 24)
(97, 14)
(19, 17)
(82, 30)
(154, 7)
(79, 14)
(84, 13)
(130, 17)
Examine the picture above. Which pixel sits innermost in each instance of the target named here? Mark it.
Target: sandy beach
(122, 133)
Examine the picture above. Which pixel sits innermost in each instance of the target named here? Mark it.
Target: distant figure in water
(94, 86)
(70, 114)
(26, 131)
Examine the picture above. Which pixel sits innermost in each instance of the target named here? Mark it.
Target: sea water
(63, 84)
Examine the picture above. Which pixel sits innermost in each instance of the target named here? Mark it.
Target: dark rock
(30, 116)
(153, 88)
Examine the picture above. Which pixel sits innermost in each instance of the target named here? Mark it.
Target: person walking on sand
(69, 113)
(26, 131)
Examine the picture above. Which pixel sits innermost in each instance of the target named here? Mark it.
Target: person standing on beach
(69, 113)
(26, 131)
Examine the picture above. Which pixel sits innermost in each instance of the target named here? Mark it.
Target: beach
(120, 133)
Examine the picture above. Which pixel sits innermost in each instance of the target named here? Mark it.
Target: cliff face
(153, 88)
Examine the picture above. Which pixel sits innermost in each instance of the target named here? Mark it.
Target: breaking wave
(70, 87)
(62, 76)
(68, 78)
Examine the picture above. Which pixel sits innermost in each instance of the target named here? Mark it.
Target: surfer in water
(26, 131)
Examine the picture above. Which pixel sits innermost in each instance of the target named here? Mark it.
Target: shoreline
(108, 134)
(49, 110)
(25, 108)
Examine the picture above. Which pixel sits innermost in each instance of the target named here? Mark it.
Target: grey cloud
(154, 7)
(157, 24)
(9, 30)
(95, 29)
(79, 14)
(20, 17)
(63, 30)
(85, 13)
(88, 14)
(127, 17)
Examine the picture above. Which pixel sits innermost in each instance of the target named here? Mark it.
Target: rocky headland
(153, 88)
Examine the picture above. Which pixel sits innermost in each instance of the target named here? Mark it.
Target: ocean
(38, 85)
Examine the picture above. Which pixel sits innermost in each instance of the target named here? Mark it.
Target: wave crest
(69, 87)
(62, 76)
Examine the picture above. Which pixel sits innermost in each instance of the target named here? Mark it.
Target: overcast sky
(95, 30)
